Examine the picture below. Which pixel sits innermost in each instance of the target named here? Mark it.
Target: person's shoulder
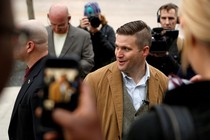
(105, 71)
(79, 31)
(110, 67)
(108, 27)
(49, 30)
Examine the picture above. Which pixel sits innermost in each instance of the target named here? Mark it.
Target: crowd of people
(119, 94)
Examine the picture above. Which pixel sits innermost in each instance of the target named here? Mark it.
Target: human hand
(84, 22)
(81, 124)
(196, 78)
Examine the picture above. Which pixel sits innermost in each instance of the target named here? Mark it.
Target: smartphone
(61, 82)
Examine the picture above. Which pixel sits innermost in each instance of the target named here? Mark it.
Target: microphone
(145, 102)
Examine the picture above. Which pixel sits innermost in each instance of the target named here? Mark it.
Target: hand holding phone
(61, 90)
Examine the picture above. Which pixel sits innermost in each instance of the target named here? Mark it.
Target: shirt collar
(144, 78)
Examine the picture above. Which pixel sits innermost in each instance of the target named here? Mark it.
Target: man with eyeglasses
(66, 40)
(32, 49)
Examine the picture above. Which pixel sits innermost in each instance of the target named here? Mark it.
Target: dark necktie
(27, 71)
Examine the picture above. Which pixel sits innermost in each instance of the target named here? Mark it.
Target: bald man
(32, 50)
(66, 40)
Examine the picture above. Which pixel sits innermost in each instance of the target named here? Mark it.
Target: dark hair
(168, 7)
(138, 28)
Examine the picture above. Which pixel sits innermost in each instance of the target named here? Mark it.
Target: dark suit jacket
(22, 123)
(78, 42)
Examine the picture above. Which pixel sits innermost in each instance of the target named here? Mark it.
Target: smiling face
(128, 55)
(133, 40)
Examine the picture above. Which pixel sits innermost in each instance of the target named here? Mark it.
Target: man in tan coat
(127, 88)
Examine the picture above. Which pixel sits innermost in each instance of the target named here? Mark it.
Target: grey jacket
(78, 42)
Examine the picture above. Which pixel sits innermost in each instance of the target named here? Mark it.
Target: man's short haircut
(138, 28)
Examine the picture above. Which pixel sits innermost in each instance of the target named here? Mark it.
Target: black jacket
(195, 97)
(103, 46)
(23, 122)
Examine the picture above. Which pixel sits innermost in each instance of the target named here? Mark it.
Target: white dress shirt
(59, 40)
(137, 92)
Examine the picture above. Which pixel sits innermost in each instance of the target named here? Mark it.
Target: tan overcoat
(107, 87)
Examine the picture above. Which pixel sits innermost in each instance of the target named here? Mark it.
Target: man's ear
(146, 50)
(30, 46)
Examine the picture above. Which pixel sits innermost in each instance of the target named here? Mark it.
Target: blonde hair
(196, 17)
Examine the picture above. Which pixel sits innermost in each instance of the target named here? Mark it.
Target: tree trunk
(30, 9)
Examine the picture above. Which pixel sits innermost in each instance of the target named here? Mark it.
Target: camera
(164, 53)
(94, 21)
(162, 39)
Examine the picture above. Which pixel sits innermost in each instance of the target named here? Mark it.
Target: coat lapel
(115, 80)
(51, 46)
(21, 94)
(23, 91)
(154, 85)
(69, 41)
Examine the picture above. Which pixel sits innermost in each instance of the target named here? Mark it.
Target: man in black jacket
(33, 51)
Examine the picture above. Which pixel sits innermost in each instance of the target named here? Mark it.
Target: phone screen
(61, 89)
(60, 85)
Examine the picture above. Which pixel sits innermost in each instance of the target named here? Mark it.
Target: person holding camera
(167, 54)
(169, 45)
(102, 34)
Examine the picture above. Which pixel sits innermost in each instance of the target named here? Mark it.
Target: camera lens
(94, 21)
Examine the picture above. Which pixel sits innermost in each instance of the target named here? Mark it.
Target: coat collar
(116, 85)
(67, 44)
